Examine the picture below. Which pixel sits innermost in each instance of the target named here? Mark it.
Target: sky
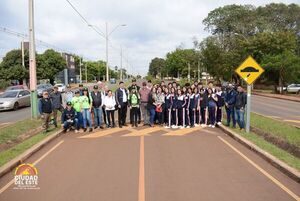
(153, 27)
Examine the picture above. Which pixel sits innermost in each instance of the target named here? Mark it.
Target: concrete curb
(277, 97)
(21, 158)
(283, 167)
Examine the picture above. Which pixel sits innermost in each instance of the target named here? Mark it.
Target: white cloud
(154, 27)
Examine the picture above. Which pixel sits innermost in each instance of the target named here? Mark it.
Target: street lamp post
(32, 62)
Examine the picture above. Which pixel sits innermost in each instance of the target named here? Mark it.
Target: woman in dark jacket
(151, 105)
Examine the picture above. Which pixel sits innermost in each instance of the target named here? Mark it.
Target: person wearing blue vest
(180, 109)
(212, 107)
(192, 107)
(173, 108)
(197, 111)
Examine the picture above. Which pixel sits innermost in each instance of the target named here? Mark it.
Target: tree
(157, 67)
(49, 64)
(178, 60)
(96, 70)
(11, 67)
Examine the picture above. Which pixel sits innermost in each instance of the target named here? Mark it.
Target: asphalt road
(284, 110)
(151, 164)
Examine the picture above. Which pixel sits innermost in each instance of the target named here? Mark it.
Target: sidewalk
(278, 96)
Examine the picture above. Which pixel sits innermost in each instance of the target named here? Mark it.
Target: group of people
(170, 105)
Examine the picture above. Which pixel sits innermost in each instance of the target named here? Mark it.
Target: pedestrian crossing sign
(249, 70)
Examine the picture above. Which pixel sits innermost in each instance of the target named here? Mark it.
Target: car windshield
(9, 94)
(12, 88)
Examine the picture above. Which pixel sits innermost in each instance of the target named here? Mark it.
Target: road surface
(151, 164)
(284, 110)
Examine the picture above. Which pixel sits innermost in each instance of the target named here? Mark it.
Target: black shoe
(136, 125)
(113, 126)
(139, 122)
(95, 127)
(46, 131)
(84, 130)
(65, 130)
(101, 127)
(132, 125)
(124, 124)
(90, 130)
(120, 126)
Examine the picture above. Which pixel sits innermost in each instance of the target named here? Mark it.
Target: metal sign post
(248, 111)
(249, 71)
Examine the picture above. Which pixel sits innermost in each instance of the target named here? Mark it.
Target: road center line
(34, 163)
(142, 170)
(278, 183)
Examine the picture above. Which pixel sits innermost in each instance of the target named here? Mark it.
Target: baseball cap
(80, 85)
(95, 86)
(69, 103)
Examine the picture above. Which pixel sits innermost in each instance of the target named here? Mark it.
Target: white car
(293, 88)
(14, 99)
(61, 87)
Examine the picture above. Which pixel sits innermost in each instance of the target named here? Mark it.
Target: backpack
(134, 99)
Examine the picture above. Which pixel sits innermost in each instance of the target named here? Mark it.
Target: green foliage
(11, 66)
(157, 67)
(49, 64)
(96, 70)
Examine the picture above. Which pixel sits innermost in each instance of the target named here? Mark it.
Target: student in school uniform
(187, 106)
(212, 107)
(192, 107)
(173, 108)
(180, 108)
(220, 104)
(203, 107)
(168, 105)
(197, 111)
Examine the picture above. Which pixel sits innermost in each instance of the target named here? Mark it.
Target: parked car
(113, 81)
(16, 87)
(14, 99)
(44, 87)
(293, 88)
(61, 87)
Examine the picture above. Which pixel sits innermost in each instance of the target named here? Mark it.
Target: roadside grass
(11, 132)
(269, 147)
(279, 129)
(20, 148)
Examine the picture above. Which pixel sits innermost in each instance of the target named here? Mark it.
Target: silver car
(14, 99)
(293, 88)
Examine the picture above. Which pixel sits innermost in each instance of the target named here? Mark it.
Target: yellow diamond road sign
(249, 70)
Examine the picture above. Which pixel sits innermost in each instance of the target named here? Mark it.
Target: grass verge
(270, 148)
(15, 151)
(279, 129)
(12, 131)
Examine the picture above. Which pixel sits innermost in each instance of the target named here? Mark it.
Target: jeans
(240, 117)
(145, 113)
(110, 115)
(152, 115)
(80, 121)
(212, 115)
(67, 124)
(230, 113)
(97, 116)
(86, 118)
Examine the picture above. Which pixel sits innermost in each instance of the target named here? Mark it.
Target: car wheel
(16, 106)
(298, 92)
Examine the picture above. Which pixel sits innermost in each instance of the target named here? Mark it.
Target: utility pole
(23, 60)
(32, 62)
(121, 76)
(189, 72)
(198, 71)
(86, 73)
(80, 73)
(106, 38)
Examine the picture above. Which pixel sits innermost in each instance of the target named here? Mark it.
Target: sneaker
(219, 123)
(65, 130)
(188, 127)
(136, 125)
(95, 127)
(197, 125)
(213, 126)
(90, 130)
(84, 130)
(76, 131)
(210, 125)
(101, 127)
(181, 127)
(167, 126)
